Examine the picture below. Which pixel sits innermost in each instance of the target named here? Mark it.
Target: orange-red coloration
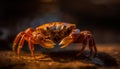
(47, 35)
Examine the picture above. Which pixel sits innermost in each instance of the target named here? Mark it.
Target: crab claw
(74, 35)
(66, 41)
(47, 43)
(43, 40)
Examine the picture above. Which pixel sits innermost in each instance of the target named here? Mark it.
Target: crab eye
(47, 28)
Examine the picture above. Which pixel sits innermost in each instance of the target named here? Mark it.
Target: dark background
(101, 17)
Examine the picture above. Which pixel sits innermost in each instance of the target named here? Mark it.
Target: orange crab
(47, 35)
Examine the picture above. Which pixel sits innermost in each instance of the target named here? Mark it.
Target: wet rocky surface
(108, 57)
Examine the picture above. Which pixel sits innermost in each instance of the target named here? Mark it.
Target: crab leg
(20, 45)
(90, 47)
(94, 46)
(87, 37)
(16, 40)
(84, 44)
(81, 51)
(31, 47)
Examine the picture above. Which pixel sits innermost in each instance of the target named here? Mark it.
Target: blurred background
(101, 17)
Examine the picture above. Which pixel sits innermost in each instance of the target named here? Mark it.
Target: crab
(49, 34)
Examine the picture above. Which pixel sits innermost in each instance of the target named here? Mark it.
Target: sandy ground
(108, 57)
